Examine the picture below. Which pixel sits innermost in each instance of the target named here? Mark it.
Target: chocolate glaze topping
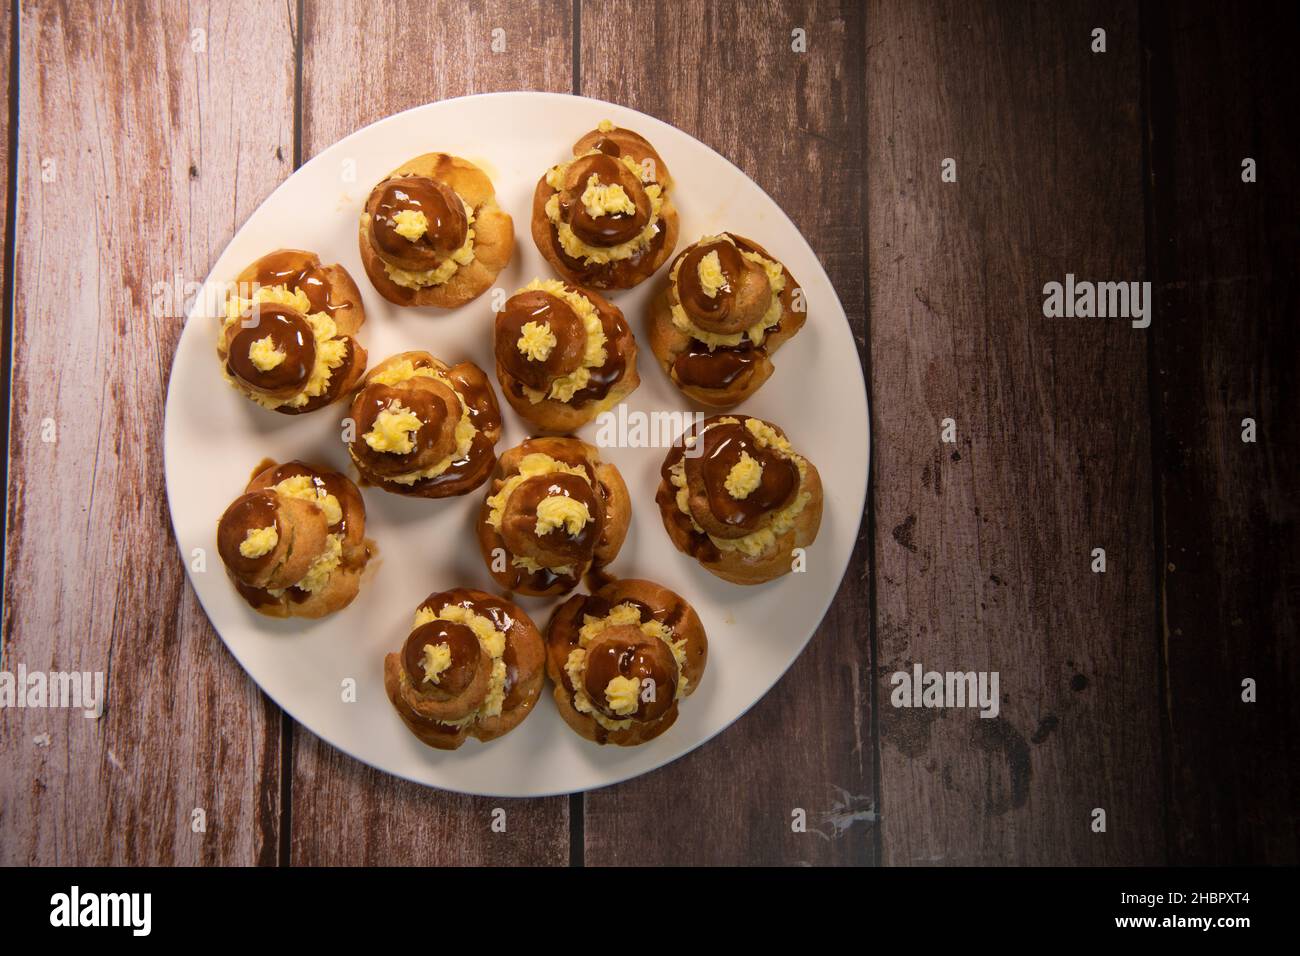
(448, 226)
(723, 446)
(719, 368)
(618, 342)
(290, 334)
(473, 389)
(604, 275)
(503, 619)
(699, 545)
(544, 309)
(248, 512)
(609, 229)
(465, 656)
(339, 376)
(626, 652)
(434, 440)
(295, 270)
(698, 305)
(557, 547)
(540, 376)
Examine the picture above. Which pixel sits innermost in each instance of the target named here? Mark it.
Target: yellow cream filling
(536, 340)
(404, 371)
(595, 355)
(623, 694)
(394, 430)
(264, 355)
(239, 309)
(330, 351)
(532, 566)
(744, 476)
(530, 466)
(319, 573)
(605, 200)
(410, 224)
(575, 664)
(578, 249)
(493, 643)
(763, 541)
(712, 279)
(259, 541)
(756, 332)
(558, 511)
(436, 659)
(442, 272)
(302, 486)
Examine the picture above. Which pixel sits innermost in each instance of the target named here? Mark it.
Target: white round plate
(214, 438)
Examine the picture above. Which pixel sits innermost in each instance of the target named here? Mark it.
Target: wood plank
(808, 743)
(1223, 88)
(343, 811)
(152, 158)
(9, 91)
(983, 559)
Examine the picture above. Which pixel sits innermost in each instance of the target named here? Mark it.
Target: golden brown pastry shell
(667, 341)
(348, 319)
(561, 637)
(735, 566)
(345, 581)
(602, 275)
(488, 422)
(494, 236)
(530, 669)
(558, 417)
(612, 490)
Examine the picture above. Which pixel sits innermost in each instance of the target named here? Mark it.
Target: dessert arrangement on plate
(736, 495)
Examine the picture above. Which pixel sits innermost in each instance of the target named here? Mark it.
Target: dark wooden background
(1120, 690)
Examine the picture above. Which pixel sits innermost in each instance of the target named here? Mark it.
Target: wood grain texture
(1223, 88)
(7, 89)
(726, 73)
(983, 554)
(362, 63)
(148, 171)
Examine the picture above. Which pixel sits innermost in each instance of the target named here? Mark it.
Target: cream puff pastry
(736, 496)
(604, 219)
(563, 354)
(295, 543)
(727, 307)
(472, 666)
(433, 234)
(424, 429)
(288, 340)
(553, 511)
(622, 659)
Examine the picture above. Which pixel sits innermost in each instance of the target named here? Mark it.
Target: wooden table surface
(141, 136)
